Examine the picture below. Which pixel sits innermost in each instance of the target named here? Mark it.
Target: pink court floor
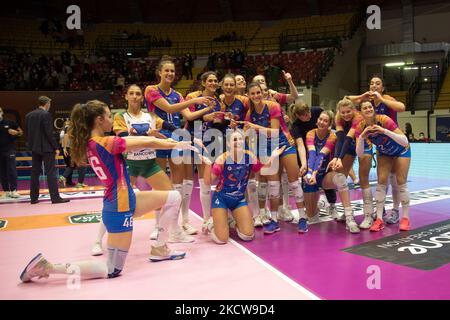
(325, 263)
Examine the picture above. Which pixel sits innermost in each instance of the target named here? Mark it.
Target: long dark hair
(82, 122)
(252, 85)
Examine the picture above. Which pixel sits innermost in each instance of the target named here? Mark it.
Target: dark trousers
(70, 167)
(8, 171)
(48, 158)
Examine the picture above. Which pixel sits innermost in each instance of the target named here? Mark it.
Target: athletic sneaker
(80, 185)
(207, 226)
(404, 224)
(162, 253)
(302, 225)
(265, 218)
(97, 249)
(272, 227)
(154, 234)
(189, 229)
(351, 225)
(284, 214)
(257, 221)
(393, 218)
(314, 219)
(378, 225)
(37, 267)
(14, 194)
(231, 223)
(180, 237)
(62, 182)
(332, 211)
(367, 222)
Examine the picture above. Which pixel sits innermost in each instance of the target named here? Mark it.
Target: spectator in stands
(9, 131)
(411, 137)
(39, 124)
(422, 138)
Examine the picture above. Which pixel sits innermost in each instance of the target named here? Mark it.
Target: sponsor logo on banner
(90, 217)
(3, 223)
(426, 248)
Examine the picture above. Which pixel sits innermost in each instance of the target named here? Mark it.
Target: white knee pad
(274, 189)
(340, 181)
(244, 236)
(251, 186)
(295, 190)
(214, 237)
(262, 191)
(188, 185)
(404, 194)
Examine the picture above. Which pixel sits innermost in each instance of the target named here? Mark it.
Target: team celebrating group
(261, 154)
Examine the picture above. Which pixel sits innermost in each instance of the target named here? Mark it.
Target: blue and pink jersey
(196, 107)
(105, 157)
(154, 93)
(238, 107)
(271, 110)
(233, 175)
(385, 145)
(381, 108)
(320, 151)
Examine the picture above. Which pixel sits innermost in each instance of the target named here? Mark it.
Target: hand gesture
(287, 76)
(278, 151)
(205, 159)
(132, 132)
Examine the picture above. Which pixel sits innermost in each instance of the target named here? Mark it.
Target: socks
(101, 232)
(395, 191)
(380, 197)
(404, 198)
(179, 189)
(205, 199)
(252, 197)
(168, 217)
(367, 201)
(188, 185)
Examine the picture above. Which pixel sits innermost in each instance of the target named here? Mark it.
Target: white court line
(278, 273)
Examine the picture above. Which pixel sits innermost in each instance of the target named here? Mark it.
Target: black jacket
(39, 131)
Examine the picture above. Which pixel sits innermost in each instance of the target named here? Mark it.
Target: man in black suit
(39, 124)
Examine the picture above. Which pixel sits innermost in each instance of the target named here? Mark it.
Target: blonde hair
(330, 115)
(298, 108)
(344, 103)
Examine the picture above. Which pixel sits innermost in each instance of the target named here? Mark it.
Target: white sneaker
(37, 267)
(351, 225)
(14, 194)
(332, 211)
(323, 203)
(231, 223)
(265, 218)
(207, 226)
(284, 214)
(367, 222)
(189, 229)
(97, 249)
(257, 221)
(179, 237)
(154, 234)
(164, 253)
(314, 219)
